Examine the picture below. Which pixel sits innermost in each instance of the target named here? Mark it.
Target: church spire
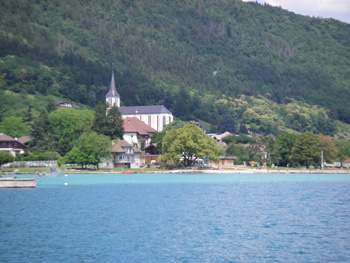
(112, 97)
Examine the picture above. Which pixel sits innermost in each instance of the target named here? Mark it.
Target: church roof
(157, 109)
(134, 125)
(112, 89)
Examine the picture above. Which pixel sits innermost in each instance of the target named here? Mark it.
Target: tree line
(84, 137)
(288, 149)
(69, 135)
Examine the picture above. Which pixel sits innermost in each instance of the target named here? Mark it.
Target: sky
(337, 9)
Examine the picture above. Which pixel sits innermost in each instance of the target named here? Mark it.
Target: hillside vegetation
(206, 60)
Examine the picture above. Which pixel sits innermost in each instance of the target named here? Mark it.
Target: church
(155, 116)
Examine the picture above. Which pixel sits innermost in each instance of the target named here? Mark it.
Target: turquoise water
(177, 218)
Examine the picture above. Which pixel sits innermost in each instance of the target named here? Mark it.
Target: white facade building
(155, 116)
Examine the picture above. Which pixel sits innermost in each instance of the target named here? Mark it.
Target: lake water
(177, 218)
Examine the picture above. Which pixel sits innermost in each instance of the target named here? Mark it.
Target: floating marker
(65, 183)
(65, 175)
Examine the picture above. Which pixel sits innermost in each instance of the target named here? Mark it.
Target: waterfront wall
(17, 183)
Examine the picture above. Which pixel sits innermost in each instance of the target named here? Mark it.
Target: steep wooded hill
(196, 57)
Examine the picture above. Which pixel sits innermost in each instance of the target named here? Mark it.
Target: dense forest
(219, 61)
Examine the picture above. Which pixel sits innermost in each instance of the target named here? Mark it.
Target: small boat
(128, 172)
(52, 173)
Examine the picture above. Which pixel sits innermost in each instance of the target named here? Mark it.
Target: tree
(238, 150)
(50, 106)
(158, 137)
(330, 152)
(227, 123)
(28, 116)
(41, 132)
(110, 124)
(307, 149)
(14, 127)
(100, 120)
(343, 147)
(190, 143)
(284, 146)
(115, 123)
(69, 124)
(90, 149)
(6, 157)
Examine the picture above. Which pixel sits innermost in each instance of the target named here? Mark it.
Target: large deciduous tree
(283, 149)
(307, 149)
(89, 150)
(69, 124)
(330, 152)
(343, 147)
(189, 142)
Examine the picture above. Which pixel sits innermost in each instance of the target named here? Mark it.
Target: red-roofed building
(12, 145)
(137, 132)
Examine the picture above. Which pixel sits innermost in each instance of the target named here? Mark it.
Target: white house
(137, 133)
(155, 116)
(125, 155)
(12, 145)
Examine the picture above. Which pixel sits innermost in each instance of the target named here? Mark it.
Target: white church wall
(156, 121)
(130, 138)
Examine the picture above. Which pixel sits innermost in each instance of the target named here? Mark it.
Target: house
(224, 162)
(137, 132)
(155, 116)
(63, 105)
(219, 137)
(24, 140)
(125, 155)
(11, 145)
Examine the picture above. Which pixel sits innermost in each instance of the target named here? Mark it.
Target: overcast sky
(337, 9)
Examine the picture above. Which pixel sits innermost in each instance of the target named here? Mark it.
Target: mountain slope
(184, 54)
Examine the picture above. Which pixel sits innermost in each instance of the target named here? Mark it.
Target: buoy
(65, 183)
(65, 175)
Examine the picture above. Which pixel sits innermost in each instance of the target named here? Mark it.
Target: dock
(15, 182)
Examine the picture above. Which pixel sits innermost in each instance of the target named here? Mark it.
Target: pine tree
(100, 121)
(111, 124)
(115, 123)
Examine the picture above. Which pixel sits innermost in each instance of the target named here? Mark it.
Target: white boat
(52, 173)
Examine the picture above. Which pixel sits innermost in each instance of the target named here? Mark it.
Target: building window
(150, 120)
(164, 121)
(4, 144)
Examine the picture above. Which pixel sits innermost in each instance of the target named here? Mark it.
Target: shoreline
(222, 171)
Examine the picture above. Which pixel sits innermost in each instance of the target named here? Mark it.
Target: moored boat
(52, 173)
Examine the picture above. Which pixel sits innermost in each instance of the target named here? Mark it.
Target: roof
(132, 124)
(6, 138)
(24, 139)
(157, 109)
(220, 136)
(119, 146)
(112, 89)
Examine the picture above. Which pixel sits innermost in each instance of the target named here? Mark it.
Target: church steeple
(112, 97)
